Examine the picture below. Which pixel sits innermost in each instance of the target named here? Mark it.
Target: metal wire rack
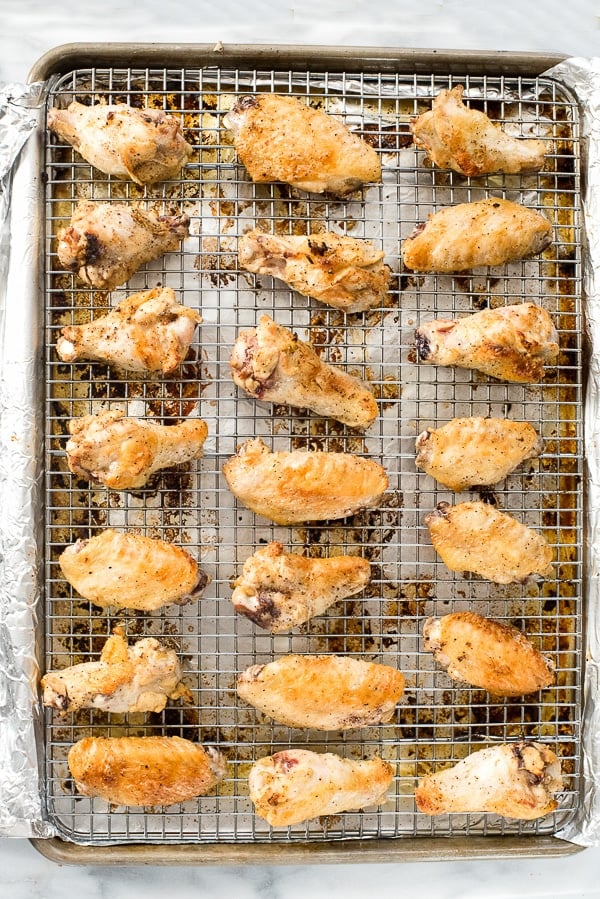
(438, 721)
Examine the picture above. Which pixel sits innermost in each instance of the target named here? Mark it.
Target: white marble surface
(27, 30)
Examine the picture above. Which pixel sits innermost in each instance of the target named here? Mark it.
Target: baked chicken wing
(511, 343)
(123, 453)
(280, 138)
(296, 785)
(475, 537)
(515, 780)
(323, 692)
(485, 232)
(279, 590)
(297, 486)
(467, 141)
(106, 243)
(347, 273)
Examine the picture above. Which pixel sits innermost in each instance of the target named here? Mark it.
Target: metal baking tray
(438, 721)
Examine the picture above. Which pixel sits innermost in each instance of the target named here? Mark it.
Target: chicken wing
(488, 654)
(476, 537)
(279, 590)
(138, 678)
(323, 692)
(148, 331)
(296, 785)
(123, 453)
(106, 243)
(280, 138)
(466, 140)
(272, 364)
(117, 568)
(345, 272)
(511, 343)
(292, 487)
(145, 145)
(475, 452)
(144, 770)
(515, 780)
(486, 232)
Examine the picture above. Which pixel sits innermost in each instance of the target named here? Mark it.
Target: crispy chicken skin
(118, 568)
(347, 273)
(515, 780)
(297, 486)
(279, 590)
(282, 139)
(144, 770)
(467, 141)
(271, 363)
(485, 232)
(123, 453)
(473, 536)
(488, 654)
(144, 145)
(475, 452)
(148, 331)
(511, 343)
(106, 243)
(138, 678)
(323, 692)
(296, 785)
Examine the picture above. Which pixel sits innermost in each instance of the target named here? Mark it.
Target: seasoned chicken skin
(123, 453)
(486, 232)
(144, 770)
(271, 363)
(515, 780)
(118, 568)
(106, 243)
(297, 486)
(323, 692)
(279, 590)
(475, 452)
(347, 273)
(282, 139)
(296, 785)
(511, 343)
(467, 141)
(475, 537)
(148, 331)
(144, 145)
(138, 678)
(487, 654)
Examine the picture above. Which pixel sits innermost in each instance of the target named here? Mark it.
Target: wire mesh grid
(438, 721)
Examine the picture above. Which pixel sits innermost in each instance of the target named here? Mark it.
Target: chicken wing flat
(467, 141)
(123, 453)
(511, 343)
(117, 568)
(144, 145)
(347, 273)
(487, 654)
(296, 785)
(148, 331)
(271, 363)
(323, 692)
(279, 590)
(144, 770)
(297, 486)
(475, 537)
(515, 780)
(106, 243)
(486, 232)
(475, 452)
(282, 139)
